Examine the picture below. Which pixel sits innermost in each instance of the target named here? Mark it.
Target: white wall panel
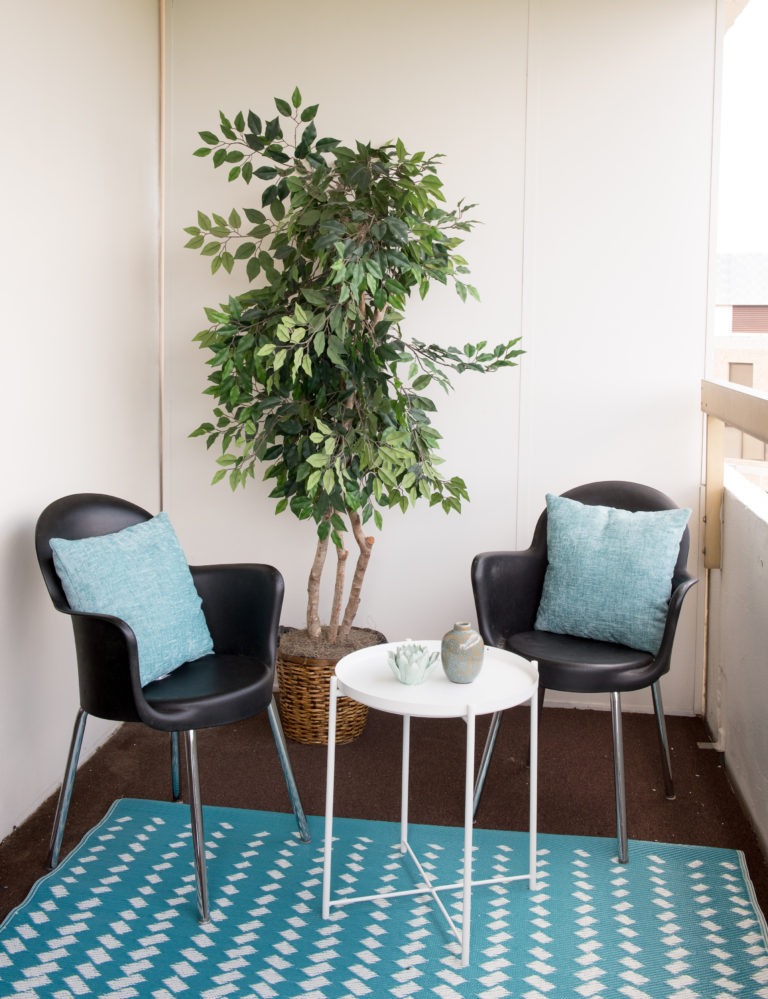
(79, 332)
(617, 236)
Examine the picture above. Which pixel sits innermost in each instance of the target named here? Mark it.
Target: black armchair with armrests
(241, 605)
(507, 588)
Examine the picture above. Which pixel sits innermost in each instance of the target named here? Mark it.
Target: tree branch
(313, 586)
(338, 591)
(365, 544)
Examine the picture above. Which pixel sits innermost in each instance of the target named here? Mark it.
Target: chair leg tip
(671, 797)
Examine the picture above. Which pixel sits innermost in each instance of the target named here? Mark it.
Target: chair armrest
(107, 665)
(242, 604)
(507, 588)
(684, 582)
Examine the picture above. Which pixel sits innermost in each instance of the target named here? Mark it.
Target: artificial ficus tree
(311, 373)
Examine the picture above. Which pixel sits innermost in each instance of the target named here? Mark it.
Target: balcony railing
(745, 409)
(736, 626)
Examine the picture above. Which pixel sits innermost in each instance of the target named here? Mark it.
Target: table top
(505, 680)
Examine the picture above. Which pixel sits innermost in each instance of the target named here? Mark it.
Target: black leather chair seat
(583, 665)
(213, 690)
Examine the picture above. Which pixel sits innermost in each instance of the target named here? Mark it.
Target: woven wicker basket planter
(304, 688)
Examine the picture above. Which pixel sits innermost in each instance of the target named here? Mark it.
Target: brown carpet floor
(239, 768)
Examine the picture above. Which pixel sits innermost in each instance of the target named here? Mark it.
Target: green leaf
(254, 123)
(283, 107)
(309, 112)
(253, 268)
(245, 250)
(195, 243)
(309, 135)
(296, 98)
(234, 219)
(202, 151)
(309, 217)
(234, 173)
(313, 297)
(203, 221)
(253, 215)
(210, 249)
(209, 137)
(265, 173)
(239, 122)
(279, 359)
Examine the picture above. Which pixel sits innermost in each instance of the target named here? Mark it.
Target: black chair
(507, 587)
(241, 604)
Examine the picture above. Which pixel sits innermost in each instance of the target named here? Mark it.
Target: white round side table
(504, 681)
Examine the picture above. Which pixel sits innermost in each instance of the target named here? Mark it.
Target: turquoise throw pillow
(609, 575)
(140, 575)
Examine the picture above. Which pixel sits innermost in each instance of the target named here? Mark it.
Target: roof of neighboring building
(742, 279)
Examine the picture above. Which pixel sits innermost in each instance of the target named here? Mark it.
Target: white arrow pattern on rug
(590, 969)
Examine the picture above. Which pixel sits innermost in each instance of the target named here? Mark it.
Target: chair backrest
(81, 515)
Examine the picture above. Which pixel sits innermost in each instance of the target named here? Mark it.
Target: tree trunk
(338, 591)
(365, 545)
(313, 587)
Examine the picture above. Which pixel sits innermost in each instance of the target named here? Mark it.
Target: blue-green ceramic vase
(462, 653)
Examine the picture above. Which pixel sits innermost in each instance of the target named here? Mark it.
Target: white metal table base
(427, 887)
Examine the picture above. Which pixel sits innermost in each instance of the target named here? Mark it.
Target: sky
(743, 195)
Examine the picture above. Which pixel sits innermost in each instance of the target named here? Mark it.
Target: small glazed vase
(462, 652)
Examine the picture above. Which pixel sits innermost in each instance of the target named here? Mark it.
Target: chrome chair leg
(618, 774)
(175, 775)
(666, 762)
(485, 760)
(62, 806)
(285, 763)
(198, 838)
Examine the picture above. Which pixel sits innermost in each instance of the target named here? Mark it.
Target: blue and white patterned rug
(118, 917)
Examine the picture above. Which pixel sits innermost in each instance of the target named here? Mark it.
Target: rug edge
(62, 864)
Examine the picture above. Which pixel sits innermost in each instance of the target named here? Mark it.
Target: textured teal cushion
(140, 575)
(609, 575)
